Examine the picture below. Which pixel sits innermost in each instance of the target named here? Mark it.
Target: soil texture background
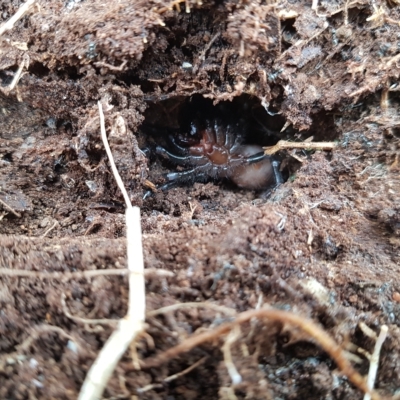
(324, 245)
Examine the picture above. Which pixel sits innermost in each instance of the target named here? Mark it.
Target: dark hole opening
(8, 157)
(180, 119)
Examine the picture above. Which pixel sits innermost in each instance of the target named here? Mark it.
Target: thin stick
(35, 334)
(9, 208)
(114, 169)
(153, 313)
(18, 74)
(374, 362)
(172, 377)
(234, 335)
(180, 306)
(308, 326)
(283, 144)
(137, 297)
(19, 273)
(209, 44)
(132, 325)
(17, 16)
(111, 67)
(49, 230)
(112, 322)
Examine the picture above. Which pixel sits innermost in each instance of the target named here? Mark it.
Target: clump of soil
(324, 245)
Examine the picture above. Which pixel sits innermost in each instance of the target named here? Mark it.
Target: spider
(216, 150)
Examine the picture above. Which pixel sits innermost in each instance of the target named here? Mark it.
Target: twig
(172, 377)
(18, 74)
(110, 66)
(308, 326)
(283, 144)
(18, 273)
(49, 230)
(132, 325)
(179, 306)
(35, 334)
(17, 16)
(374, 361)
(209, 44)
(9, 208)
(150, 185)
(114, 169)
(226, 351)
(103, 321)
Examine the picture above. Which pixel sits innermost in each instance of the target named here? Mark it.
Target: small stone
(396, 297)
(353, 298)
(44, 222)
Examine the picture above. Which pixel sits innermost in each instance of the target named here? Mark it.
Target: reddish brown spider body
(217, 151)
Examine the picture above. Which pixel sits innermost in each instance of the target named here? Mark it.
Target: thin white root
(20, 273)
(233, 335)
(172, 377)
(105, 363)
(132, 325)
(35, 334)
(114, 169)
(374, 362)
(283, 144)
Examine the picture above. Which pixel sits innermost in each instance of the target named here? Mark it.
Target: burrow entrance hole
(174, 118)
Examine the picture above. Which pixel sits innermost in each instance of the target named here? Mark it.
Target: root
(314, 331)
(374, 359)
(233, 336)
(131, 327)
(283, 144)
(172, 377)
(9, 208)
(34, 335)
(63, 276)
(179, 306)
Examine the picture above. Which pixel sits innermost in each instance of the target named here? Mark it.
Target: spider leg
(180, 160)
(182, 178)
(194, 174)
(174, 143)
(277, 174)
(255, 158)
(229, 138)
(220, 134)
(275, 165)
(278, 180)
(179, 178)
(237, 143)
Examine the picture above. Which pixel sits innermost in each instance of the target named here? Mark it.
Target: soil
(324, 245)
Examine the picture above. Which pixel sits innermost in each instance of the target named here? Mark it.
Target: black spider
(216, 150)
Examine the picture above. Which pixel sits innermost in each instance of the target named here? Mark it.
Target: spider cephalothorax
(214, 150)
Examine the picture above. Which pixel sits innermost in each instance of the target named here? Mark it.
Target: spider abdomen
(259, 175)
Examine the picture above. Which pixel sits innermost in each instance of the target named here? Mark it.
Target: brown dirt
(325, 244)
